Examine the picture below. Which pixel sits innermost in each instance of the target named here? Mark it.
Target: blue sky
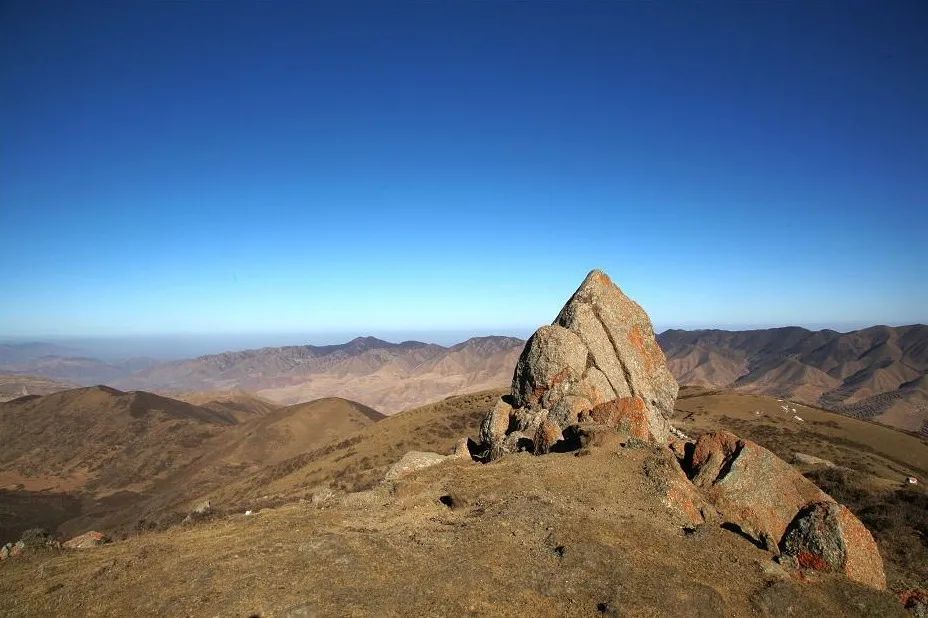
(353, 168)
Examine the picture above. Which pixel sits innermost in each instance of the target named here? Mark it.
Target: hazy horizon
(174, 346)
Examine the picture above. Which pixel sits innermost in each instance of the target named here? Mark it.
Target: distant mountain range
(880, 373)
(386, 376)
(877, 373)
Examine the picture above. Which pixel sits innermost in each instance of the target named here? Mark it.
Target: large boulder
(825, 536)
(749, 486)
(600, 347)
(411, 462)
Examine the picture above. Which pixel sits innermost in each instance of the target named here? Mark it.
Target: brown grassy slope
(92, 449)
(359, 460)
(100, 458)
(264, 442)
(241, 404)
(101, 438)
(543, 536)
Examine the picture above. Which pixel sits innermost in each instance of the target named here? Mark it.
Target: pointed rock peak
(600, 347)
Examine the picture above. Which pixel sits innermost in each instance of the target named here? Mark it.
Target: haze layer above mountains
(879, 373)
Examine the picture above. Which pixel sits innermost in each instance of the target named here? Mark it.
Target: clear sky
(279, 167)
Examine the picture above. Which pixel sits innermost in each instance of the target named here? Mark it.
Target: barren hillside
(386, 376)
(875, 373)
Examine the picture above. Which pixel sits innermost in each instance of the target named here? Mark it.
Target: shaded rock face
(825, 536)
(600, 348)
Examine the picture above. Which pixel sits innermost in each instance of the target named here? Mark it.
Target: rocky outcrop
(600, 347)
(623, 352)
(596, 378)
(749, 486)
(769, 501)
(597, 364)
(825, 536)
(803, 459)
(677, 493)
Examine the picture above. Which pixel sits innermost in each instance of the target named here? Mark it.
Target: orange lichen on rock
(626, 414)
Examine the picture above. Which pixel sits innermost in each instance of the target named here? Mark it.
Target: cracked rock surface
(600, 347)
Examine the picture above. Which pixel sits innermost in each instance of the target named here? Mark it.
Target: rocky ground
(555, 535)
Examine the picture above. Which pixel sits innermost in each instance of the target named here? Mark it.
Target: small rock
(461, 449)
(493, 429)
(810, 460)
(86, 540)
(411, 462)
(548, 434)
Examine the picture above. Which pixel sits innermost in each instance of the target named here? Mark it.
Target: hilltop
(579, 535)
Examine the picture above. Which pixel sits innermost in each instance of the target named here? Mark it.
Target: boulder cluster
(36, 539)
(596, 377)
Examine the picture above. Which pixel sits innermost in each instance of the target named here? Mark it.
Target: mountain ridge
(386, 376)
(874, 372)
